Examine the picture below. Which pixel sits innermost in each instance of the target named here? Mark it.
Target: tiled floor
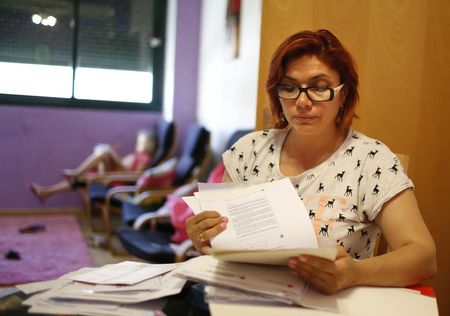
(100, 255)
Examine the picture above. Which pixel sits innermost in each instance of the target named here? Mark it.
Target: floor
(99, 253)
(95, 241)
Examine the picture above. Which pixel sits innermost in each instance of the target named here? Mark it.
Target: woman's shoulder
(367, 144)
(370, 150)
(260, 137)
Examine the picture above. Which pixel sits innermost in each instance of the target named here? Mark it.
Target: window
(82, 53)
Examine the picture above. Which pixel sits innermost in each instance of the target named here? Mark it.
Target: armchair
(94, 187)
(168, 244)
(155, 184)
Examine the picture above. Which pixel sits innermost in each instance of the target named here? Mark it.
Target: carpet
(45, 254)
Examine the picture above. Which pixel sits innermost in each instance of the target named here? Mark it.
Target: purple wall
(186, 64)
(37, 142)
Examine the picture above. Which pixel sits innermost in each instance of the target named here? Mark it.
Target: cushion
(179, 212)
(158, 177)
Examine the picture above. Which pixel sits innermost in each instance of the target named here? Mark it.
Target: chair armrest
(142, 197)
(161, 214)
(111, 176)
(181, 250)
(125, 177)
(121, 189)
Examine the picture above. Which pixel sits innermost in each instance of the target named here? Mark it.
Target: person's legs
(107, 158)
(43, 192)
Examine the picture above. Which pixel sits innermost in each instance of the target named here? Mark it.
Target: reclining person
(103, 159)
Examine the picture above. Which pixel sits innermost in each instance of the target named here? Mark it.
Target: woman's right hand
(201, 228)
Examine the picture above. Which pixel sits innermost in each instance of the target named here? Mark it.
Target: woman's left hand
(325, 275)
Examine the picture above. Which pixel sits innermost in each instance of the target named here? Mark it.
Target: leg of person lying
(43, 192)
(106, 157)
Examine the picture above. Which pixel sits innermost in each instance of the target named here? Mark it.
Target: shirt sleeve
(237, 157)
(385, 177)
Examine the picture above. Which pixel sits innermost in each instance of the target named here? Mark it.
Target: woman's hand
(325, 275)
(204, 226)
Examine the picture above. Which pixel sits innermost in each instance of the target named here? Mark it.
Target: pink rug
(45, 255)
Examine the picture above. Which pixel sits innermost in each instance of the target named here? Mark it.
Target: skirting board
(42, 210)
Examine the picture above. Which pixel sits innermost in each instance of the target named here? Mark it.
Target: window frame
(160, 24)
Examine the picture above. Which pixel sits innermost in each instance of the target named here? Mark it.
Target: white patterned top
(343, 195)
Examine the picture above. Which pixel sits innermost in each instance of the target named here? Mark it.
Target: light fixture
(51, 20)
(36, 18)
(47, 21)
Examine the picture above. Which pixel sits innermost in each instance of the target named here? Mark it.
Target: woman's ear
(343, 95)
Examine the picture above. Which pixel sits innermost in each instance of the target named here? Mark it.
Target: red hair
(329, 50)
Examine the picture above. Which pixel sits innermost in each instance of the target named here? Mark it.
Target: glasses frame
(333, 92)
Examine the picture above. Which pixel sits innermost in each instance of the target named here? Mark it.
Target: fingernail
(302, 259)
(223, 225)
(225, 219)
(292, 264)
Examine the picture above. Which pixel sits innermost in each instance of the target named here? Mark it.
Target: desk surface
(11, 300)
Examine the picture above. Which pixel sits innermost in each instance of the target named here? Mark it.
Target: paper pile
(252, 289)
(268, 222)
(247, 274)
(127, 288)
(232, 281)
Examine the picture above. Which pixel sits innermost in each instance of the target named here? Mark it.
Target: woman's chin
(304, 129)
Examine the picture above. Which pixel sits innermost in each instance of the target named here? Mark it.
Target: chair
(168, 243)
(161, 236)
(165, 135)
(94, 190)
(156, 183)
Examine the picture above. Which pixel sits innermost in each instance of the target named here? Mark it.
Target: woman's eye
(289, 88)
(319, 89)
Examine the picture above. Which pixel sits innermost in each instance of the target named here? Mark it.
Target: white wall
(169, 66)
(227, 94)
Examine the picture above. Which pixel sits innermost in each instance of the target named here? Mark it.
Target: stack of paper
(268, 222)
(127, 288)
(244, 282)
(252, 289)
(246, 274)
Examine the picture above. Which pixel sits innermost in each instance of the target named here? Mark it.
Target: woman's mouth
(304, 118)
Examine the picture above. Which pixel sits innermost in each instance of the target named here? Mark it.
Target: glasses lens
(287, 92)
(319, 94)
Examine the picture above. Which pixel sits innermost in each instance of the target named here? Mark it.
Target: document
(268, 217)
(87, 293)
(34, 287)
(273, 282)
(270, 256)
(124, 273)
(65, 296)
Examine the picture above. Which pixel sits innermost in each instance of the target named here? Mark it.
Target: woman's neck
(303, 152)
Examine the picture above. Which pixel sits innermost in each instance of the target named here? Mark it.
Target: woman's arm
(412, 257)
(411, 260)
(226, 177)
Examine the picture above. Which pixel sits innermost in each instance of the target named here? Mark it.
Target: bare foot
(38, 191)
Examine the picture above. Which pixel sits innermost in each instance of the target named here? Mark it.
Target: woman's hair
(329, 50)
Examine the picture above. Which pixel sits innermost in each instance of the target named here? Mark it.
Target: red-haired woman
(353, 186)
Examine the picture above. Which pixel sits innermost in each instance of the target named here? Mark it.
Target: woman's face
(305, 116)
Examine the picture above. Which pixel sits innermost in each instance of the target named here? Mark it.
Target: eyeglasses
(289, 92)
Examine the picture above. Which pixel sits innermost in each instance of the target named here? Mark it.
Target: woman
(103, 159)
(353, 186)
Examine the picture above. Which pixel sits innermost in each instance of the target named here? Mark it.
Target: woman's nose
(303, 101)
